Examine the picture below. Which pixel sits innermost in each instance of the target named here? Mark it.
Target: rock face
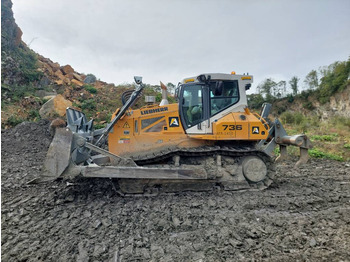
(11, 34)
(17, 65)
(338, 106)
(55, 106)
(340, 103)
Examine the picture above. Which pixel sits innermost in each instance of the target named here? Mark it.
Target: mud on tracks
(304, 215)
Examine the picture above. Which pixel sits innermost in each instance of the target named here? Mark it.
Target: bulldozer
(208, 140)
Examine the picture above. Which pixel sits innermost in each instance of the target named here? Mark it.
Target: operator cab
(204, 98)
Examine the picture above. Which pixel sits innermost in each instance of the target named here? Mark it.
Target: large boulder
(67, 69)
(77, 83)
(56, 106)
(90, 79)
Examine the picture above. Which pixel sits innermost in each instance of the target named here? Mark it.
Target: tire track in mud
(303, 216)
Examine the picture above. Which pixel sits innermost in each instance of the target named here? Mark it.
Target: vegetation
(330, 139)
(334, 78)
(90, 89)
(16, 93)
(321, 84)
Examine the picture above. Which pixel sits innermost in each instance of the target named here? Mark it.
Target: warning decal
(126, 125)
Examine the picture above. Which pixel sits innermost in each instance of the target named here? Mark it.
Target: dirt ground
(303, 216)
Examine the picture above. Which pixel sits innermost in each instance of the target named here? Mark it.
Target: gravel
(304, 215)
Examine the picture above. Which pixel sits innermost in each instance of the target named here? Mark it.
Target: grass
(325, 138)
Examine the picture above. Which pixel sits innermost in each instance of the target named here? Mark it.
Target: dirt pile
(303, 216)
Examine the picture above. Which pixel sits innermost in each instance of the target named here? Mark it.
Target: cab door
(194, 108)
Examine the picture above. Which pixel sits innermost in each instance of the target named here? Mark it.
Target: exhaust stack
(164, 95)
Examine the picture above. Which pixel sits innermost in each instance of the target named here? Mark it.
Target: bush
(255, 101)
(13, 121)
(287, 117)
(34, 114)
(308, 105)
(296, 118)
(290, 98)
(90, 89)
(299, 118)
(16, 93)
(89, 104)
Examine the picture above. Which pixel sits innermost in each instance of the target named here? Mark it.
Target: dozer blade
(58, 156)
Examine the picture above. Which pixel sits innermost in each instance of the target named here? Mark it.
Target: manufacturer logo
(156, 110)
(255, 130)
(174, 121)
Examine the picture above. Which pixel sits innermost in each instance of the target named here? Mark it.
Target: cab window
(192, 105)
(223, 94)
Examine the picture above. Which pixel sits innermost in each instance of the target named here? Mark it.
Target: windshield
(222, 95)
(192, 105)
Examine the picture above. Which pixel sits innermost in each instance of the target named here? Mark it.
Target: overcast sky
(170, 40)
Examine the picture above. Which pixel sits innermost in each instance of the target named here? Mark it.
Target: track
(226, 176)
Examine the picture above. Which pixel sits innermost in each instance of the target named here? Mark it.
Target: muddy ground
(303, 216)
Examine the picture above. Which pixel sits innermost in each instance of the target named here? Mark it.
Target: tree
(293, 82)
(171, 88)
(281, 88)
(268, 88)
(255, 101)
(311, 80)
(335, 78)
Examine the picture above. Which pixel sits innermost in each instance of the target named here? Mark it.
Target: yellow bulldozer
(208, 139)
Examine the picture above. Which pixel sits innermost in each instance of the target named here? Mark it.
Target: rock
(44, 82)
(54, 66)
(55, 106)
(49, 69)
(106, 222)
(69, 76)
(56, 123)
(157, 251)
(90, 79)
(67, 69)
(83, 253)
(176, 221)
(211, 203)
(59, 74)
(47, 95)
(59, 82)
(313, 242)
(98, 250)
(18, 38)
(77, 77)
(67, 81)
(77, 83)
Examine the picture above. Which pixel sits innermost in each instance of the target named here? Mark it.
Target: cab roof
(218, 76)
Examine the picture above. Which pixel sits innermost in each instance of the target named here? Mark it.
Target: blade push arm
(134, 96)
